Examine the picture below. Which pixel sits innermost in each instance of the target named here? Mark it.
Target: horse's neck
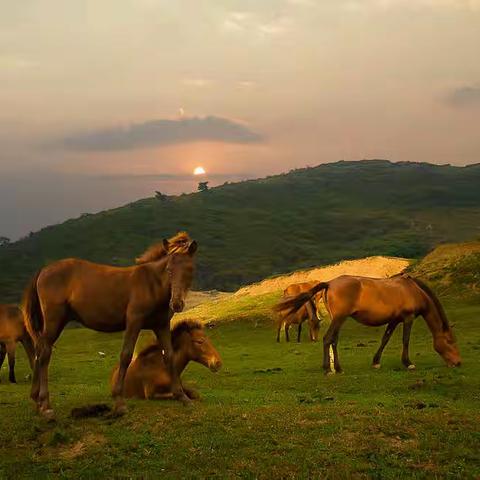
(180, 360)
(159, 269)
(432, 318)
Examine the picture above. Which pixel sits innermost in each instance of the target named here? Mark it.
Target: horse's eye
(199, 342)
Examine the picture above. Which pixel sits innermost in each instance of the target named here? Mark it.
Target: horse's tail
(292, 304)
(33, 316)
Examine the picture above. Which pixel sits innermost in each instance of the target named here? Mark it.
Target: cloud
(197, 82)
(468, 96)
(358, 5)
(13, 62)
(248, 22)
(162, 132)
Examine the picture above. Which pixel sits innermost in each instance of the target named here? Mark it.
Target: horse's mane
(185, 326)
(178, 329)
(178, 243)
(435, 301)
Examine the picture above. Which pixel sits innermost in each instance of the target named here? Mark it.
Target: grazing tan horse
(12, 331)
(109, 299)
(305, 312)
(148, 376)
(376, 302)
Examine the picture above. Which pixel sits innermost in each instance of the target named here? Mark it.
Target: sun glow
(199, 171)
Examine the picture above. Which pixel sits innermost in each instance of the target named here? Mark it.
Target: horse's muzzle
(215, 365)
(177, 306)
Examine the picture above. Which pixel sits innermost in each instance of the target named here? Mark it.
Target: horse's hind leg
(279, 328)
(330, 339)
(299, 334)
(11, 362)
(287, 327)
(3, 352)
(407, 329)
(385, 339)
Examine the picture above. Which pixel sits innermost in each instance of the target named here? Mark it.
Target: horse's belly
(372, 318)
(102, 320)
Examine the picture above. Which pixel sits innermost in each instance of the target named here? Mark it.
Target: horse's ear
(166, 245)
(192, 248)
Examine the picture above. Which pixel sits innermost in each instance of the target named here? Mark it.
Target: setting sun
(199, 171)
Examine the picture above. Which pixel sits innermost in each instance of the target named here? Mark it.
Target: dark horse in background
(13, 331)
(110, 299)
(306, 312)
(374, 302)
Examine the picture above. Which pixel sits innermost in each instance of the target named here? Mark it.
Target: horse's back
(376, 298)
(96, 295)
(297, 288)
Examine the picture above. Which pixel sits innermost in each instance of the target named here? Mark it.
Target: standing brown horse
(147, 376)
(12, 331)
(109, 299)
(305, 312)
(375, 302)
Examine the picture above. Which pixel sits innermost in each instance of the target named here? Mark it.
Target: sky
(104, 102)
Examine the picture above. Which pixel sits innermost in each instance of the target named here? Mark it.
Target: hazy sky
(104, 101)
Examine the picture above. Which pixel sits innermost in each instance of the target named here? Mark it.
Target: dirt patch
(79, 448)
(375, 267)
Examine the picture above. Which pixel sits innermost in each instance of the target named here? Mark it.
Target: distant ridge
(453, 270)
(251, 230)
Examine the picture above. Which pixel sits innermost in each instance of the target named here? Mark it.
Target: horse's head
(446, 347)
(180, 268)
(196, 346)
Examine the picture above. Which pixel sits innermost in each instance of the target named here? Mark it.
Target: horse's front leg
(164, 338)
(29, 349)
(191, 393)
(407, 329)
(299, 334)
(11, 362)
(129, 340)
(3, 352)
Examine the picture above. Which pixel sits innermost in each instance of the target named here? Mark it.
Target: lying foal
(148, 377)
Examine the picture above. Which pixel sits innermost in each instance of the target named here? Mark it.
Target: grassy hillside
(269, 413)
(453, 270)
(250, 230)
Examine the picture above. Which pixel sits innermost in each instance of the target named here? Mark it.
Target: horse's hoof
(411, 367)
(186, 402)
(48, 414)
(329, 373)
(376, 365)
(119, 411)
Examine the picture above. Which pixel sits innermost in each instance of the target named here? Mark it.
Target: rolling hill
(251, 230)
(453, 270)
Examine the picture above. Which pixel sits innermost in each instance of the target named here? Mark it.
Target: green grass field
(269, 413)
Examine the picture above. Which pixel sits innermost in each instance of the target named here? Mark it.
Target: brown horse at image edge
(13, 331)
